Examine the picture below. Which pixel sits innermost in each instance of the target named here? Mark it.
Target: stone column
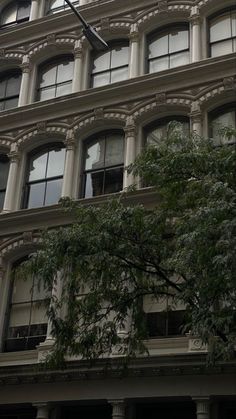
(134, 51)
(130, 134)
(41, 9)
(14, 157)
(34, 11)
(78, 67)
(196, 33)
(118, 409)
(56, 296)
(24, 88)
(196, 118)
(42, 410)
(202, 405)
(69, 165)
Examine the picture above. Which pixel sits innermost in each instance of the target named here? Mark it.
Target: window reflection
(222, 118)
(44, 178)
(15, 12)
(168, 48)
(104, 157)
(111, 66)
(55, 6)
(55, 78)
(4, 169)
(9, 90)
(157, 131)
(222, 30)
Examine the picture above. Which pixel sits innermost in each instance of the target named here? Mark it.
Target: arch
(211, 6)
(14, 248)
(40, 134)
(5, 142)
(10, 59)
(51, 47)
(148, 19)
(111, 30)
(218, 94)
(89, 124)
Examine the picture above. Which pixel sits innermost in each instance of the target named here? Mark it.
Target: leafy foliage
(115, 254)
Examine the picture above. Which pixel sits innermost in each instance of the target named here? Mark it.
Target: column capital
(70, 140)
(42, 410)
(14, 156)
(130, 129)
(78, 52)
(195, 17)
(202, 403)
(118, 408)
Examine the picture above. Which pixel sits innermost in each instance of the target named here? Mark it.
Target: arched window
(16, 12)
(55, 78)
(4, 168)
(55, 6)
(26, 318)
(222, 28)
(103, 164)
(168, 48)
(157, 130)
(220, 118)
(9, 90)
(44, 176)
(111, 66)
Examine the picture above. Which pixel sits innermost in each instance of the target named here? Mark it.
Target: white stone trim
(52, 40)
(173, 10)
(42, 129)
(12, 248)
(161, 102)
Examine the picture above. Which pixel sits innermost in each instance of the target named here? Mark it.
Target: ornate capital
(134, 36)
(41, 127)
(26, 67)
(14, 156)
(161, 98)
(78, 52)
(195, 18)
(51, 39)
(70, 140)
(99, 113)
(130, 129)
(229, 83)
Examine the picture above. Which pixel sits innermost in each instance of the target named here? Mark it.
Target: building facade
(71, 121)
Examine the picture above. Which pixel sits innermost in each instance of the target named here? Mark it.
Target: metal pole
(81, 19)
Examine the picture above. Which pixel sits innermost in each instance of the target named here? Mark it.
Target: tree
(114, 254)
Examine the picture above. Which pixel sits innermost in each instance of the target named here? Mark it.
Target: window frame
(92, 140)
(3, 190)
(17, 21)
(49, 64)
(112, 45)
(163, 122)
(166, 30)
(50, 11)
(221, 110)
(6, 76)
(27, 184)
(211, 18)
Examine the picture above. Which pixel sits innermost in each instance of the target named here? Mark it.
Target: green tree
(115, 254)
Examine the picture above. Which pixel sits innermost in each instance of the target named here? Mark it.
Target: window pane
(94, 184)
(4, 168)
(119, 56)
(9, 15)
(2, 88)
(101, 79)
(95, 155)
(113, 180)
(56, 3)
(222, 48)
(22, 288)
(155, 135)
(65, 71)
(23, 10)
(158, 47)
(63, 89)
(20, 315)
(10, 103)
(36, 195)
(48, 93)
(178, 40)
(119, 75)
(220, 28)
(13, 85)
(56, 161)
(102, 62)
(38, 315)
(38, 167)
(2, 197)
(159, 64)
(114, 150)
(225, 120)
(233, 24)
(53, 192)
(48, 77)
(179, 59)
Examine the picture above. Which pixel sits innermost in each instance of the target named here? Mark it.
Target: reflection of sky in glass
(94, 156)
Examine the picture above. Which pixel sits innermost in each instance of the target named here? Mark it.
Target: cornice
(139, 88)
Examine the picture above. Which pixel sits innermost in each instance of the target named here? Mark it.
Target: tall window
(55, 6)
(55, 78)
(220, 118)
(223, 33)
(111, 66)
(44, 177)
(27, 321)
(158, 129)
(16, 12)
(9, 90)
(4, 168)
(168, 48)
(103, 165)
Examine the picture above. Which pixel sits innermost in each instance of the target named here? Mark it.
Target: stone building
(71, 120)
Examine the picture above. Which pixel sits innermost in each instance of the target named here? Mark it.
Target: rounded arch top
(51, 47)
(14, 248)
(41, 134)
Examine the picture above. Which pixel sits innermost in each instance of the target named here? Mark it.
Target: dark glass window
(9, 90)
(103, 166)
(55, 6)
(20, 412)
(27, 320)
(111, 66)
(168, 48)
(15, 12)
(222, 34)
(220, 118)
(55, 78)
(4, 168)
(44, 178)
